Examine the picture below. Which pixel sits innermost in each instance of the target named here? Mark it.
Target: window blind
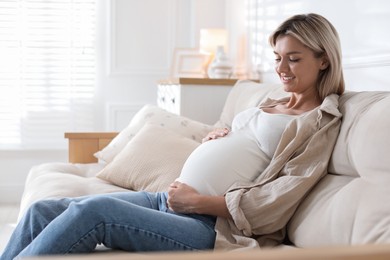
(262, 18)
(260, 23)
(47, 71)
(253, 11)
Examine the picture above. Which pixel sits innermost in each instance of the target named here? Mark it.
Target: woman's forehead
(288, 44)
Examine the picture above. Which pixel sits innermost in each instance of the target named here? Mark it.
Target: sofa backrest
(364, 140)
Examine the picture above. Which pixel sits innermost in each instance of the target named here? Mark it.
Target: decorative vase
(221, 67)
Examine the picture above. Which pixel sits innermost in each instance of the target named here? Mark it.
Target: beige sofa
(341, 218)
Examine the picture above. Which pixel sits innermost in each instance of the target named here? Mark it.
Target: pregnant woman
(242, 155)
(236, 191)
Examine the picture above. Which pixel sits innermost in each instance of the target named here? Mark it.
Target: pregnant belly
(215, 165)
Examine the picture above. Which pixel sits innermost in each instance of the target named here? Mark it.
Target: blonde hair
(317, 33)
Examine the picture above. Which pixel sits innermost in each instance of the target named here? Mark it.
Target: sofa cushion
(151, 114)
(342, 210)
(350, 205)
(364, 128)
(151, 161)
(370, 140)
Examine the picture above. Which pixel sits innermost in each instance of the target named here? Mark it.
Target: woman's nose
(282, 66)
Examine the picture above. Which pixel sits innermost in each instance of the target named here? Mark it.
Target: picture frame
(189, 63)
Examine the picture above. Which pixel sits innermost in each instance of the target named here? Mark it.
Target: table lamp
(211, 41)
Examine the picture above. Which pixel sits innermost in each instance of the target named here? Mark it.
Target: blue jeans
(130, 221)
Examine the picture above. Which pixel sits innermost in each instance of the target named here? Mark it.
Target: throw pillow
(151, 161)
(152, 114)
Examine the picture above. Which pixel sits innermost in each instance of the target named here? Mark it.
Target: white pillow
(151, 161)
(158, 116)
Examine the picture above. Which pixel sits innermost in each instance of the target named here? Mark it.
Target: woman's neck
(302, 103)
(295, 105)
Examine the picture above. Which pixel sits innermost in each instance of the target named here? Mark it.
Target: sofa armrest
(82, 146)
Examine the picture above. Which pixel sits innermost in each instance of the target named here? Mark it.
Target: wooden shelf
(198, 81)
(90, 135)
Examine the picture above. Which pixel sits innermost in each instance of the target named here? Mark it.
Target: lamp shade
(210, 39)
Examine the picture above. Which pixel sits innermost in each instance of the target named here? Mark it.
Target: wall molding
(367, 61)
(120, 115)
(113, 69)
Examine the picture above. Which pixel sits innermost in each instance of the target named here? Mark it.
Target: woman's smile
(286, 79)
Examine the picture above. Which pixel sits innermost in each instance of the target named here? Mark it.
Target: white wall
(136, 48)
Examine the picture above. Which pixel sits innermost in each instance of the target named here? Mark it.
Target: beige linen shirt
(261, 210)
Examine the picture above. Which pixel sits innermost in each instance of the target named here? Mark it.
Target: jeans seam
(153, 233)
(150, 200)
(185, 246)
(84, 237)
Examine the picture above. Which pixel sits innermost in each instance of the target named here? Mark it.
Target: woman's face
(296, 65)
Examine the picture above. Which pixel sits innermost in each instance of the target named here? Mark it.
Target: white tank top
(240, 156)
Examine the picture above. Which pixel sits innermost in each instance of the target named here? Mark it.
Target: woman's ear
(324, 62)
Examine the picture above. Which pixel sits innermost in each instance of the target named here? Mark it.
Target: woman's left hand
(182, 198)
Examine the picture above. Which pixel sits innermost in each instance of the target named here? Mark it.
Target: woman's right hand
(215, 134)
